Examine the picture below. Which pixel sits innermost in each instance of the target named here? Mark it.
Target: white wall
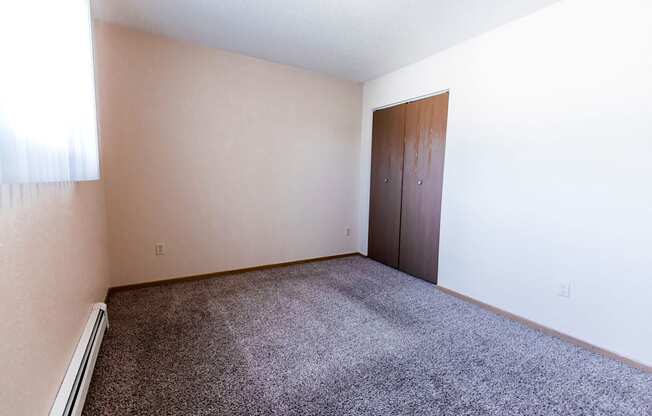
(230, 161)
(548, 168)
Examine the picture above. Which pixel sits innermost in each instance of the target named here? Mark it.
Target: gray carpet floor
(341, 337)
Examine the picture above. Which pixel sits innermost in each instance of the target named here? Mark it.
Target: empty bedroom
(301, 208)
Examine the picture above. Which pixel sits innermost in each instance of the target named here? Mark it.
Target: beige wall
(53, 267)
(230, 161)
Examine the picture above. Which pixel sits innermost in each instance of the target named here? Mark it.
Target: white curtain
(48, 121)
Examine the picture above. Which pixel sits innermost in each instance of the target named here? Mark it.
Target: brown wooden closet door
(386, 177)
(425, 139)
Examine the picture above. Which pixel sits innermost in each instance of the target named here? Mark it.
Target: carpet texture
(341, 337)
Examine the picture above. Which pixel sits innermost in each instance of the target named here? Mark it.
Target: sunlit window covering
(48, 120)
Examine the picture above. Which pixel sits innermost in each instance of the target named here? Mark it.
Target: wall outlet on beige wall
(159, 249)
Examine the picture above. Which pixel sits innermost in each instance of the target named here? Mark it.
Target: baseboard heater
(72, 393)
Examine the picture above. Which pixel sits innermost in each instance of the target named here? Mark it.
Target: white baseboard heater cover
(72, 393)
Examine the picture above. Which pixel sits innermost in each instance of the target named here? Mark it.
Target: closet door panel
(386, 177)
(425, 139)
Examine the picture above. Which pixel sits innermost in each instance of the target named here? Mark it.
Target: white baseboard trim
(72, 393)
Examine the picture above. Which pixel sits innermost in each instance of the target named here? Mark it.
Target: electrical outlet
(347, 231)
(564, 290)
(159, 249)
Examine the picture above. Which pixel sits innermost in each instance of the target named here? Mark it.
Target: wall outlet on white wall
(159, 249)
(347, 231)
(564, 290)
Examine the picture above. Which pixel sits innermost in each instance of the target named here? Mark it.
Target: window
(48, 121)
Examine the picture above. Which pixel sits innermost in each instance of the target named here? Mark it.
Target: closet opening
(407, 167)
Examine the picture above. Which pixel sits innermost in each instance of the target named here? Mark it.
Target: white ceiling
(351, 39)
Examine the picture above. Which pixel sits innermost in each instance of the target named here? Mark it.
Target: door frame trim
(409, 100)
